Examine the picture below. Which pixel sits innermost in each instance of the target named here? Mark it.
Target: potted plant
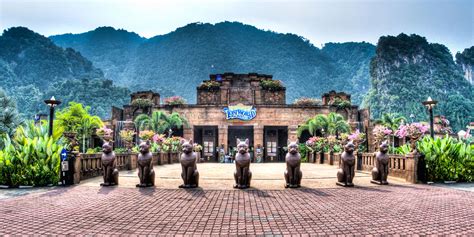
(105, 134)
(146, 135)
(414, 131)
(127, 138)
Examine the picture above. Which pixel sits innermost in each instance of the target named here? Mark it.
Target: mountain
(175, 63)
(407, 69)
(352, 60)
(33, 68)
(466, 61)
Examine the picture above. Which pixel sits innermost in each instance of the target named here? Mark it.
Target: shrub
(142, 103)
(447, 159)
(174, 100)
(272, 85)
(31, 157)
(210, 85)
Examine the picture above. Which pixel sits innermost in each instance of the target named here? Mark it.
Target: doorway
(275, 139)
(207, 137)
(242, 133)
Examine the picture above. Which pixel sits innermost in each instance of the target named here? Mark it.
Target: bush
(272, 85)
(174, 100)
(447, 159)
(210, 85)
(31, 157)
(306, 101)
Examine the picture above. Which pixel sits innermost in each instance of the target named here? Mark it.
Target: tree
(161, 122)
(9, 118)
(76, 118)
(331, 124)
(391, 120)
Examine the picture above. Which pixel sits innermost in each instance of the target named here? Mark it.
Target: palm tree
(161, 122)
(156, 122)
(331, 124)
(391, 120)
(87, 127)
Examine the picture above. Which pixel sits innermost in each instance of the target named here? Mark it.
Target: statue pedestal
(378, 182)
(344, 184)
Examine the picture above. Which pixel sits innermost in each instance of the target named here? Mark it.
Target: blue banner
(240, 112)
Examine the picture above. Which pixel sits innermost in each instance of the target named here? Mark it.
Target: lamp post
(430, 103)
(51, 103)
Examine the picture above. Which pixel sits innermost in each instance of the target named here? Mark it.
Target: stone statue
(145, 166)
(380, 171)
(242, 172)
(188, 161)
(345, 174)
(109, 166)
(293, 172)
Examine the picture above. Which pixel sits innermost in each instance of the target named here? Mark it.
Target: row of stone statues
(242, 174)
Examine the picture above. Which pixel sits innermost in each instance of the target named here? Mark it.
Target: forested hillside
(32, 68)
(177, 62)
(407, 69)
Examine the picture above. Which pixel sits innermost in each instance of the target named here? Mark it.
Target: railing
(90, 165)
(398, 165)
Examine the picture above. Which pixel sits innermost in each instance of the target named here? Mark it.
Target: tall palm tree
(331, 124)
(161, 122)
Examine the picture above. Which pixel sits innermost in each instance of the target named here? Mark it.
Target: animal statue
(380, 171)
(189, 171)
(242, 174)
(145, 166)
(293, 172)
(110, 172)
(345, 174)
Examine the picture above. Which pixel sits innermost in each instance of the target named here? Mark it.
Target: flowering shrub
(381, 133)
(413, 130)
(174, 100)
(315, 144)
(158, 138)
(172, 144)
(146, 135)
(307, 101)
(104, 133)
(142, 103)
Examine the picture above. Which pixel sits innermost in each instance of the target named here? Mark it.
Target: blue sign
(218, 77)
(240, 112)
(63, 155)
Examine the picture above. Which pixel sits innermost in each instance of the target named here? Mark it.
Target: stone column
(292, 134)
(77, 169)
(257, 137)
(411, 167)
(223, 132)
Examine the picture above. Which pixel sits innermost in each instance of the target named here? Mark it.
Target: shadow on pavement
(196, 192)
(258, 192)
(316, 192)
(106, 189)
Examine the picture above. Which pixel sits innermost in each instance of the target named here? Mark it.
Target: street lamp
(430, 103)
(51, 103)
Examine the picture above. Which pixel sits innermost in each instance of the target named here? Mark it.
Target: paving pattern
(399, 209)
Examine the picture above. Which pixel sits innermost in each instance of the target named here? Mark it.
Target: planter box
(336, 159)
(310, 156)
(163, 158)
(175, 157)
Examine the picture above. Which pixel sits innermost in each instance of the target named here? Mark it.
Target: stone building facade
(253, 106)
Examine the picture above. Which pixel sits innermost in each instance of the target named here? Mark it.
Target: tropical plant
(381, 133)
(447, 159)
(391, 120)
(31, 157)
(340, 103)
(160, 122)
(104, 133)
(303, 149)
(146, 135)
(401, 150)
(76, 118)
(331, 124)
(120, 150)
(197, 147)
(127, 135)
(174, 100)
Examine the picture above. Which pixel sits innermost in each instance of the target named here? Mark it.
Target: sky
(449, 22)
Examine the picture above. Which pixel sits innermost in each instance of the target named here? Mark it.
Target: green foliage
(76, 118)
(31, 157)
(303, 149)
(9, 118)
(305, 101)
(120, 150)
(401, 150)
(408, 69)
(271, 85)
(210, 85)
(332, 124)
(198, 50)
(142, 103)
(160, 122)
(341, 104)
(32, 68)
(447, 159)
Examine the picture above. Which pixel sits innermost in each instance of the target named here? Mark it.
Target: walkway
(266, 209)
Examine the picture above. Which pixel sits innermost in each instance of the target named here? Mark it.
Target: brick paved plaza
(264, 210)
